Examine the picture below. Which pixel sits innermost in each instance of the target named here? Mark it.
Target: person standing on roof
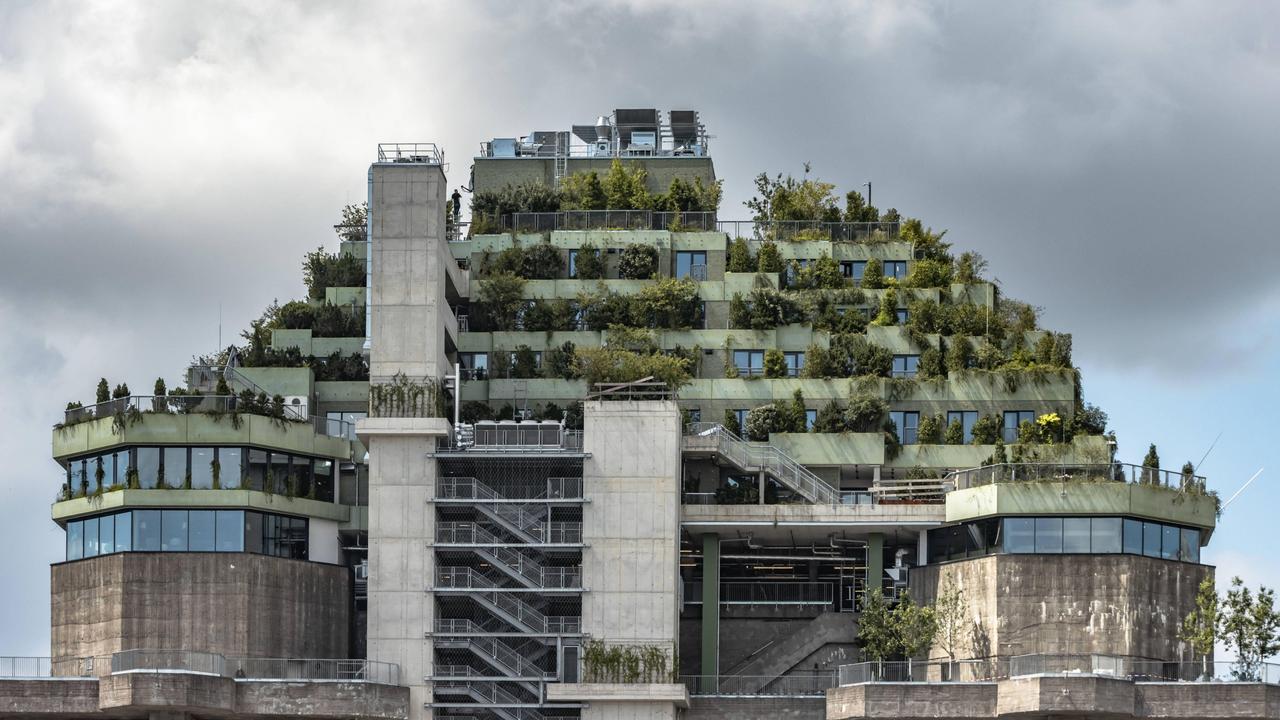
(457, 206)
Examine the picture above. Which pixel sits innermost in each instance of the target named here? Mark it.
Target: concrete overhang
(127, 499)
(659, 693)
(367, 428)
(809, 522)
(1083, 498)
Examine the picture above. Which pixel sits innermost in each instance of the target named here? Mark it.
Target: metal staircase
(760, 457)
(505, 557)
(493, 697)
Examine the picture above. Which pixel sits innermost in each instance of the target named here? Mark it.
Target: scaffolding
(508, 582)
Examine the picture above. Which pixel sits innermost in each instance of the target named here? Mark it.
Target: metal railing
(340, 670)
(698, 272)
(764, 593)
(793, 229)
(427, 153)
(537, 222)
(810, 685)
(512, 436)
(643, 389)
(469, 488)
(159, 660)
(202, 404)
(1076, 472)
(922, 671)
(999, 668)
(754, 457)
(26, 667)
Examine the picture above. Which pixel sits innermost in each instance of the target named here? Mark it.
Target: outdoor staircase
(776, 659)
(507, 559)
(490, 695)
(760, 457)
(527, 526)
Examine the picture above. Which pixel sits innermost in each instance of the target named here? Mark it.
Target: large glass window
(1152, 536)
(908, 424)
(1133, 536)
(741, 416)
(75, 540)
(810, 418)
(256, 469)
(795, 363)
(253, 532)
(300, 476)
(1105, 535)
(1171, 540)
(691, 264)
(200, 535)
(91, 537)
(853, 269)
(229, 531)
(230, 467)
(1048, 535)
(202, 467)
(749, 362)
(1013, 419)
(106, 534)
(124, 532)
(573, 263)
(474, 365)
(1019, 535)
(1190, 545)
(967, 418)
(146, 530)
(1076, 534)
(323, 471)
(174, 533)
(278, 473)
(104, 471)
(895, 269)
(175, 467)
(147, 462)
(905, 366)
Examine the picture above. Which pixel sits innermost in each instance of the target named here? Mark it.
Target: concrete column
(875, 561)
(710, 605)
(922, 548)
(762, 483)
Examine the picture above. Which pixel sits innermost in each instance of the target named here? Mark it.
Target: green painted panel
(282, 338)
(125, 499)
(295, 382)
(1081, 498)
(832, 448)
(196, 429)
(709, 241)
(324, 347)
(865, 251)
(345, 296)
(344, 391)
(743, 283)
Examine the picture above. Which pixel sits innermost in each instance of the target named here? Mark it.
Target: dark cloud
(1116, 163)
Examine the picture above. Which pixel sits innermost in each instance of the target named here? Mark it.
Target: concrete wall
(322, 541)
(631, 523)
(757, 708)
(229, 603)
(1063, 604)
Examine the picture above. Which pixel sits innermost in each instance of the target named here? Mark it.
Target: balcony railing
(1072, 472)
(427, 153)
(137, 406)
(256, 668)
(999, 668)
(764, 593)
(809, 685)
(537, 222)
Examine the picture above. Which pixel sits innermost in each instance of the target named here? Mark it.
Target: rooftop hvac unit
(503, 147)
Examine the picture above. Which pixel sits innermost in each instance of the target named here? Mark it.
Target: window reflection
(190, 531)
(1054, 535)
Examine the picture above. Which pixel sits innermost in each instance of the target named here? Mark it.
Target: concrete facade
(239, 605)
(1122, 605)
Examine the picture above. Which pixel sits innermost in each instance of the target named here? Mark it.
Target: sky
(164, 167)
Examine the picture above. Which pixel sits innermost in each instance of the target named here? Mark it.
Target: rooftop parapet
(1076, 472)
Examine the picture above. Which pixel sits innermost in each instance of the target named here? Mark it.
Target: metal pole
(457, 394)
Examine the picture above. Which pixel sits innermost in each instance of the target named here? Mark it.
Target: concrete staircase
(760, 457)
(775, 660)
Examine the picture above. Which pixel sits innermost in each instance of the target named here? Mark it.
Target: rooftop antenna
(867, 185)
(1211, 446)
(1242, 488)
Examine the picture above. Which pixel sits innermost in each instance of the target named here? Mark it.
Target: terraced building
(601, 453)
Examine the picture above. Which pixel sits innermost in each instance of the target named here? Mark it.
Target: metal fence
(785, 230)
(537, 222)
(427, 153)
(809, 685)
(1076, 472)
(159, 660)
(764, 593)
(135, 405)
(26, 667)
(990, 669)
(309, 669)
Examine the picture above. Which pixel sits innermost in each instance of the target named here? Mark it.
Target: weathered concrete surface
(151, 694)
(1050, 696)
(239, 605)
(1122, 605)
(795, 646)
(762, 708)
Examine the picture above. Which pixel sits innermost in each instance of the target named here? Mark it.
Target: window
(323, 479)
(300, 475)
(695, 415)
(201, 525)
(1171, 540)
(103, 473)
(202, 467)
(229, 531)
(256, 469)
(908, 424)
(1076, 535)
(1048, 535)
(967, 418)
(691, 264)
(741, 415)
(795, 363)
(1152, 535)
(749, 362)
(853, 269)
(1132, 536)
(75, 540)
(173, 536)
(895, 269)
(146, 530)
(106, 534)
(147, 462)
(573, 263)
(475, 366)
(1190, 545)
(343, 424)
(905, 366)
(278, 472)
(90, 537)
(1019, 535)
(175, 466)
(810, 417)
(1013, 419)
(231, 468)
(1105, 535)
(124, 532)
(902, 315)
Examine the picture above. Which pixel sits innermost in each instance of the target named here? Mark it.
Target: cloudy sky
(163, 165)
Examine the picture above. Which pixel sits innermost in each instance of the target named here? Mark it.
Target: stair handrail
(772, 460)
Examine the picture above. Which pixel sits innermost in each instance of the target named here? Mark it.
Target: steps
(760, 457)
(763, 668)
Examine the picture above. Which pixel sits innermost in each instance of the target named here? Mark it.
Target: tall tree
(1200, 626)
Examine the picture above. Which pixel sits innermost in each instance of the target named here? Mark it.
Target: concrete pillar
(922, 548)
(875, 561)
(762, 483)
(710, 605)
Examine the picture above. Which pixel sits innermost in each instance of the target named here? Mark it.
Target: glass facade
(206, 468)
(905, 366)
(188, 531)
(749, 362)
(1064, 535)
(691, 263)
(908, 425)
(967, 418)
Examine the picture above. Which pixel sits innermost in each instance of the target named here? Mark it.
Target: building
(548, 467)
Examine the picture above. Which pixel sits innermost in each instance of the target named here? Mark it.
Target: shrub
(873, 275)
(553, 315)
(557, 362)
(855, 355)
(473, 411)
(930, 431)
(500, 298)
(320, 270)
(296, 315)
(604, 308)
(775, 363)
(1028, 433)
(797, 415)
(770, 308)
(740, 259)
(103, 393)
(730, 422)
(589, 263)
(337, 321)
(1049, 427)
(865, 413)
(888, 313)
(986, 430)
(541, 261)
(764, 419)
(582, 191)
(639, 262)
(959, 355)
(1054, 350)
(1089, 420)
(930, 274)
(989, 355)
(931, 365)
(769, 260)
(817, 363)
(531, 196)
(668, 303)
(926, 316)
(969, 268)
(739, 313)
(617, 365)
(970, 319)
(830, 419)
(524, 363)
(955, 433)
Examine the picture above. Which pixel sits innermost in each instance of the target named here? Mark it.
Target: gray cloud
(1115, 163)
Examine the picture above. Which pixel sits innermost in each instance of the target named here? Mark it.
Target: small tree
(931, 365)
(1151, 466)
(120, 391)
(915, 627)
(1200, 626)
(775, 363)
(730, 422)
(762, 420)
(739, 313)
(639, 262)
(769, 259)
(160, 389)
(930, 431)
(955, 433)
(959, 355)
(873, 275)
(830, 418)
(986, 429)
(103, 393)
(1251, 625)
(740, 260)
(950, 610)
(797, 413)
(876, 634)
(589, 263)
(888, 312)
